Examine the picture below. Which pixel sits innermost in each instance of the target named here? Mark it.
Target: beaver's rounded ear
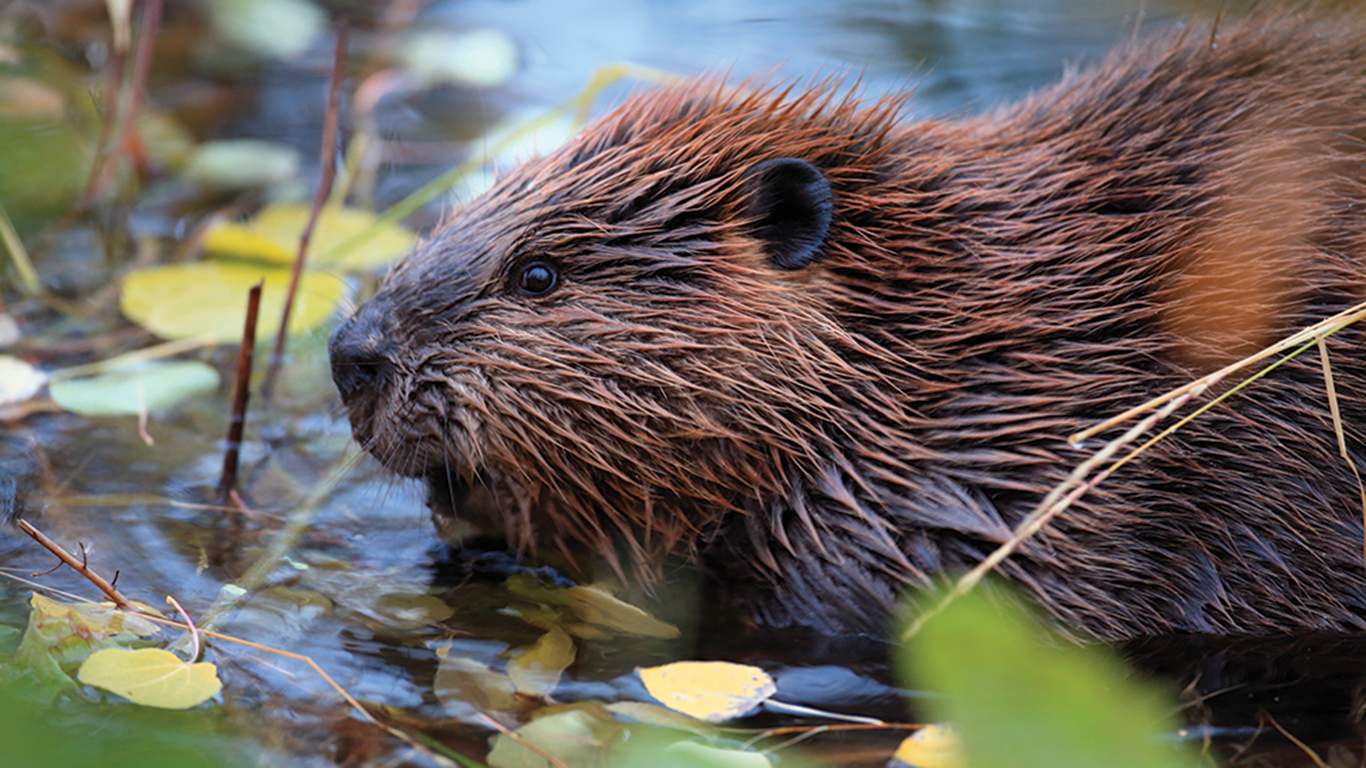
(791, 205)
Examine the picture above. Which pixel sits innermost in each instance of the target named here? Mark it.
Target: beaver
(830, 353)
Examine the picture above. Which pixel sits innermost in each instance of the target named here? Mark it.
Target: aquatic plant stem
(227, 480)
(329, 172)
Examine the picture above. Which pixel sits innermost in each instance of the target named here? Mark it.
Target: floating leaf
(242, 164)
(463, 683)
(714, 691)
(64, 633)
(151, 677)
(209, 299)
(273, 235)
(412, 609)
(597, 606)
(575, 737)
(934, 746)
(125, 391)
(537, 670)
(483, 58)
(1020, 699)
(661, 717)
(18, 380)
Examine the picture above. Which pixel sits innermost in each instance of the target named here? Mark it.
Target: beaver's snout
(361, 357)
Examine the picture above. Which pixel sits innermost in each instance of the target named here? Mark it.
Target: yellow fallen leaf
(597, 606)
(934, 746)
(273, 236)
(463, 684)
(208, 299)
(537, 670)
(714, 691)
(243, 241)
(151, 677)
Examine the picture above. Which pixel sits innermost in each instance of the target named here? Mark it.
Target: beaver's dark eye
(536, 278)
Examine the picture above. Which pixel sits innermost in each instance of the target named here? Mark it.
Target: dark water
(371, 546)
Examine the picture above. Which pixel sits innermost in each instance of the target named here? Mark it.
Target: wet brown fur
(821, 439)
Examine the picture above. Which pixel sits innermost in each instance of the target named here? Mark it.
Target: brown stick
(147, 32)
(78, 565)
(329, 173)
(111, 116)
(227, 481)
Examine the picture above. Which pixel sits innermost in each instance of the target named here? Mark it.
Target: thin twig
(1324, 328)
(329, 173)
(113, 96)
(147, 32)
(77, 565)
(28, 276)
(1338, 430)
(1318, 761)
(227, 480)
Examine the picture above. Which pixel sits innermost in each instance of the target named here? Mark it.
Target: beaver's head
(629, 337)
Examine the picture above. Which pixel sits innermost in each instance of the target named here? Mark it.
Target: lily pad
(208, 299)
(151, 677)
(126, 391)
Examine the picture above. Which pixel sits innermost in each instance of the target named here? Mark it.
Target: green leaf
(77, 733)
(578, 736)
(273, 236)
(126, 391)
(209, 299)
(151, 677)
(705, 756)
(42, 167)
(1020, 699)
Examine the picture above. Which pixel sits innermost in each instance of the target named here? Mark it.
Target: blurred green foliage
(82, 734)
(1023, 698)
(42, 167)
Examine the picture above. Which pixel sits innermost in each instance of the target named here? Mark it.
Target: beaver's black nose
(361, 366)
